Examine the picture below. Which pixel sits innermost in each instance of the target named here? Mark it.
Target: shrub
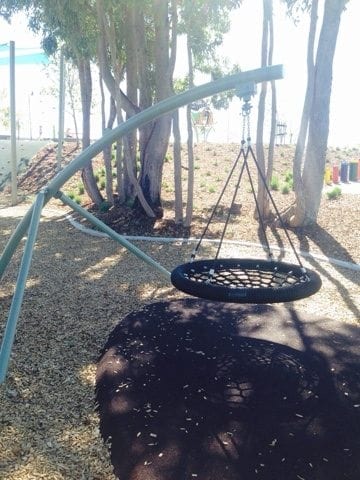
(71, 195)
(274, 183)
(334, 193)
(288, 177)
(81, 188)
(102, 184)
(285, 189)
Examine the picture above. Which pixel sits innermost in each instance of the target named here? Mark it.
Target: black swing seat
(245, 280)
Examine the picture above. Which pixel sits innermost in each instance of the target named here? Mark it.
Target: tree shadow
(326, 242)
(194, 389)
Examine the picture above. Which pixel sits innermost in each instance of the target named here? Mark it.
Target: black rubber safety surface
(197, 390)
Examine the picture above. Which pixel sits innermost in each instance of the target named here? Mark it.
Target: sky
(242, 46)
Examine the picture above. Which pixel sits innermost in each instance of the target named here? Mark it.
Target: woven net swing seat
(245, 280)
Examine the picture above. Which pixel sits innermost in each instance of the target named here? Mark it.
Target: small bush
(102, 184)
(288, 177)
(77, 199)
(285, 189)
(274, 183)
(71, 195)
(81, 188)
(334, 193)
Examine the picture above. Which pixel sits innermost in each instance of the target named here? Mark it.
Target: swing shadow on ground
(196, 389)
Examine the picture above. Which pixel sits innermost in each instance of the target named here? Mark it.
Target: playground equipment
(353, 171)
(328, 175)
(30, 222)
(203, 121)
(344, 172)
(245, 280)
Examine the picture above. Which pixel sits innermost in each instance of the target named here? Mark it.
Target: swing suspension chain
(196, 249)
(245, 280)
(246, 109)
(244, 153)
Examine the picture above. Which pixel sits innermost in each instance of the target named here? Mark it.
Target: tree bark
(177, 169)
(270, 165)
(315, 118)
(87, 173)
(314, 165)
(130, 146)
(152, 157)
(262, 196)
(296, 215)
(190, 144)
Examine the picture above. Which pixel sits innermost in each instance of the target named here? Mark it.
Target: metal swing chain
(246, 122)
(246, 109)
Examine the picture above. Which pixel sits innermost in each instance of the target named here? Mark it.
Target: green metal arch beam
(165, 106)
(161, 108)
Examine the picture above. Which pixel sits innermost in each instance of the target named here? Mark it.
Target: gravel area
(81, 286)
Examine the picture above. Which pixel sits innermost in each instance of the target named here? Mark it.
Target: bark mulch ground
(81, 287)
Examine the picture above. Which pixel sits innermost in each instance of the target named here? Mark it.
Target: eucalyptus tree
(204, 25)
(267, 48)
(71, 27)
(310, 154)
(136, 47)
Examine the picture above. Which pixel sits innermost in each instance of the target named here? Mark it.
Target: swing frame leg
(34, 216)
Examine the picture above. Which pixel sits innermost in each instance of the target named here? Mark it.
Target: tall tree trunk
(107, 154)
(262, 196)
(176, 122)
(190, 144)
(87, 173)
(270, 165)
(177, 169)
(315, 158)
(130, 146)
(157, 144)
(296, 214)
(309, 189)
(70, 89)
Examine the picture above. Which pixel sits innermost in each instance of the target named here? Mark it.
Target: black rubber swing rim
(307, 281)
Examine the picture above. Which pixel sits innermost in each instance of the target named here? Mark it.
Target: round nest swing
(246, 280)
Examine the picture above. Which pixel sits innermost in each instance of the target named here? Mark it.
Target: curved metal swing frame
(245, 280)
(30, 221)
